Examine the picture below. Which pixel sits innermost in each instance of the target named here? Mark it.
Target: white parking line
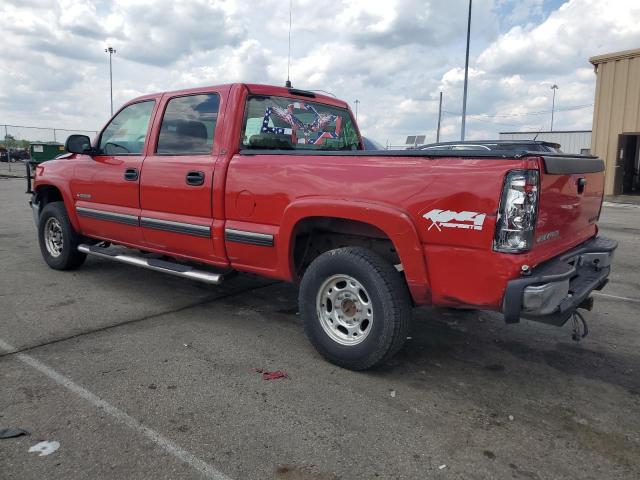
(180, 453)
(626, 299)
(620, 205)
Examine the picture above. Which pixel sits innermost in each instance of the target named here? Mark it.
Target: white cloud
(577, 30)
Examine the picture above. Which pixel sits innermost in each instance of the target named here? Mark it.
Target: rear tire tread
(395, 298)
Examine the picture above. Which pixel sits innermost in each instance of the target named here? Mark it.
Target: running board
(178, 269)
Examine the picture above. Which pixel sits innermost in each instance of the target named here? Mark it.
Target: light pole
(554, 87)
(466, 77)
(439, 119)
(356, 102)
(110, 51)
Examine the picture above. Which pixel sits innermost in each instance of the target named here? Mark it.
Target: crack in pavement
(208, 299)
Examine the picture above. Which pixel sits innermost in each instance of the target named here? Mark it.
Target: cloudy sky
(392, 55)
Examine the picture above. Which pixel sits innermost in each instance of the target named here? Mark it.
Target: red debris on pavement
(271, 375)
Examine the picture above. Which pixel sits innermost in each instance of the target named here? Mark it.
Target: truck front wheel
(355, 307)
(58, 240)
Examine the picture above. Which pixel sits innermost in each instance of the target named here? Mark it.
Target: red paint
(271, 194)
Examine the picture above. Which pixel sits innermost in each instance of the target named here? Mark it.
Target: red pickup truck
(274, 181)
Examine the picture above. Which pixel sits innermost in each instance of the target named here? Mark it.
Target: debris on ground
(511, 417)
(392, 393)
(44, 448)
(12, 432)
(442, 467)
(271, 375)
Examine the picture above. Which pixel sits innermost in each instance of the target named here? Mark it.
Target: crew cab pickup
(274, 181)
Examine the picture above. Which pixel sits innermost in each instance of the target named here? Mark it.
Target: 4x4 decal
(451, 219)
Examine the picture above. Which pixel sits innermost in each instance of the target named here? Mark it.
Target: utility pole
(110, 51)
(356, 102)
(554, 87)
(439, 119)
(466, 77)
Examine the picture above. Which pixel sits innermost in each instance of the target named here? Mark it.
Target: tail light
(516, 220)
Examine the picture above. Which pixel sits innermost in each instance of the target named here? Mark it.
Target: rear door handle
(195, 178)
(131, 174)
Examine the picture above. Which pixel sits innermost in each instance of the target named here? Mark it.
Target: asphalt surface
(146, 376)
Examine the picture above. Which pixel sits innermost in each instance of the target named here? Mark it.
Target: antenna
(288, 82)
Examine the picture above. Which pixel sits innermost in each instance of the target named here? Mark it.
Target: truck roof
(259, 89)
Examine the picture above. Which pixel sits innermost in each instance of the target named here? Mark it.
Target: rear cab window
(291, 124)
(188, 125)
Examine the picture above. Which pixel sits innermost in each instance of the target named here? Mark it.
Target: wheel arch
(371, 220)
(45, 193)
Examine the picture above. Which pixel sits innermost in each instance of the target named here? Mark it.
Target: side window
(286, 123)
(127, 131)
(188, 125)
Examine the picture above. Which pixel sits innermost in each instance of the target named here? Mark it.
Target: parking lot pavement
(140, 375)
(13, 169)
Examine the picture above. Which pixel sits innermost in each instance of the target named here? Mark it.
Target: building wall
(617, 106)
(571, 142)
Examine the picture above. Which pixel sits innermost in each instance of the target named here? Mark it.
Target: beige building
(616, 120)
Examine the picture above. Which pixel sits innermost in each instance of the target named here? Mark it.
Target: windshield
(286, 123)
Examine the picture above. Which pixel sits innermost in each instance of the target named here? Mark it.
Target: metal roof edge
(613, 56)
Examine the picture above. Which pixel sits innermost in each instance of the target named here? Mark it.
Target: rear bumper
(555, 289)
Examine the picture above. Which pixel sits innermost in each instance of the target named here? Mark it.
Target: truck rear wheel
(58, 240)
(355, 307)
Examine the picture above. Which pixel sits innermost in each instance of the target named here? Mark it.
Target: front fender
(395, 223)
(48, 176)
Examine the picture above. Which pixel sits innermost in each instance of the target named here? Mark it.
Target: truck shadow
(482, 341)
(468, 344)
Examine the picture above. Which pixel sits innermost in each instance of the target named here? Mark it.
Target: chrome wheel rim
(53, 239)
(345, 310)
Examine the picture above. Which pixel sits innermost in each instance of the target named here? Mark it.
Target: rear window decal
(312, 133)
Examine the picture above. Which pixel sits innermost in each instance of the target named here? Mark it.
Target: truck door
(106, 186)
(177, 178)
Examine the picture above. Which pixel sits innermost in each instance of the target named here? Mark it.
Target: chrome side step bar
(178, 269)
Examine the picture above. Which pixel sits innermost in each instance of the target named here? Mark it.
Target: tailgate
(571, 190)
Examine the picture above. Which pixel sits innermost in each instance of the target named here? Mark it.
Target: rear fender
(395, 223)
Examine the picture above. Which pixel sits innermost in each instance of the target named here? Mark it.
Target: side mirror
(78, 144)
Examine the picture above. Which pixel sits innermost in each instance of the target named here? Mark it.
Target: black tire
(69, 258)
(388, 295)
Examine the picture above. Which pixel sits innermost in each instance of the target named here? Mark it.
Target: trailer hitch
(580, 327)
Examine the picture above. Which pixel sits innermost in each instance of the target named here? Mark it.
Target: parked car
(371, 144)
(490, 145)
(277, 183)
(19, 154)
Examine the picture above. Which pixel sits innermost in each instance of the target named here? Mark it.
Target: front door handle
(131, 174)
(195, 178)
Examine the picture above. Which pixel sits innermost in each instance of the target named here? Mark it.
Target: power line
(522, 114)
(497, 123)
(49, 128)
